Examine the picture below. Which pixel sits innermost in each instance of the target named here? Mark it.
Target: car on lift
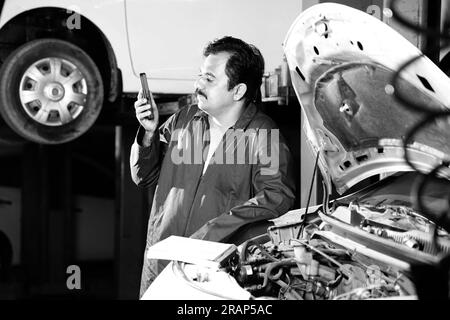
(389, 240)
(61, 61)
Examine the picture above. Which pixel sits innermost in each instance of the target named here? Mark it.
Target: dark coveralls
(230, 194)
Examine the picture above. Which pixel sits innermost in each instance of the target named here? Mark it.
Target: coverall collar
(243, 120)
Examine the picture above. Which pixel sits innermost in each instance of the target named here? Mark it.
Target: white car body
(165, 38)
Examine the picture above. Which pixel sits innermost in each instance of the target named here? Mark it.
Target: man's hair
(245, 65)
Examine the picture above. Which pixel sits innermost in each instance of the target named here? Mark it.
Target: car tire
(8, 137)
(51, 91)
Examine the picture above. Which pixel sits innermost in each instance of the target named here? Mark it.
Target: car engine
(359, 252)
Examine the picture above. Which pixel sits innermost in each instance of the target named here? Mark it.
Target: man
(211, 161)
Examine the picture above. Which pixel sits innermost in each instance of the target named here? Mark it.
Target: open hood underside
(342, 62)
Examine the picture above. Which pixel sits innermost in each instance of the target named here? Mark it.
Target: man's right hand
(142, 108)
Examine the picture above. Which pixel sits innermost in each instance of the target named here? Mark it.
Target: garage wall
(94, 229)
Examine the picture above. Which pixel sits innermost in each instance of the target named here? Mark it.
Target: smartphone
(147, 94)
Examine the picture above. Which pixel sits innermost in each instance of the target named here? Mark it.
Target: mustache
(200, 92)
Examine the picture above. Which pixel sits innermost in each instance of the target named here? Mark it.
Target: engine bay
(316, 260)
(371, 244)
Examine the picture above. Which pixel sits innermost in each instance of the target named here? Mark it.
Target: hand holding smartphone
(147, 94)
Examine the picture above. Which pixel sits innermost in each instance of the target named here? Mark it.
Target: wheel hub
(54, 91)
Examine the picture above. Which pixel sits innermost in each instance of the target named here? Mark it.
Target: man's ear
(239, 91)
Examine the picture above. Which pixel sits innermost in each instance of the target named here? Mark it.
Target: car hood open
(341, 62)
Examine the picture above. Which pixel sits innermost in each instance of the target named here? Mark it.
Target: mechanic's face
(212, 85)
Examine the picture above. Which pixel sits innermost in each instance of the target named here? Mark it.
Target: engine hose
(258, 260)
(243, 254)
(266, 253)
(289, 290)
(268, 275)
(334, 283)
